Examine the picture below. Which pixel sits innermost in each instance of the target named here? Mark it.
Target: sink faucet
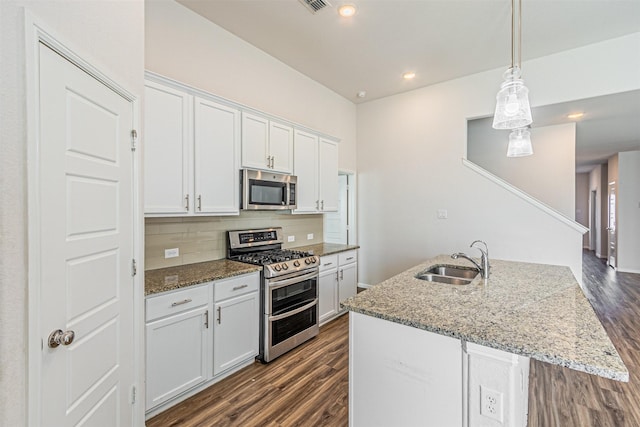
(484, 259)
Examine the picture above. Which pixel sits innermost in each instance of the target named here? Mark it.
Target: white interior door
(85, 173)
(336, 224)
(611, 226)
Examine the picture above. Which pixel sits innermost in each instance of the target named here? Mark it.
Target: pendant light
(512, 101)
(520, 143)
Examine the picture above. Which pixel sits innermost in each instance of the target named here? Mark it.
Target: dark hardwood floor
(309, 385)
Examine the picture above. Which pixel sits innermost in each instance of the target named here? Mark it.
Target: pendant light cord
(520, 34)
(513, 5)
(513, 32)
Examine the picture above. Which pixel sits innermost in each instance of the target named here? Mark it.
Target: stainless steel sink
(449, 274)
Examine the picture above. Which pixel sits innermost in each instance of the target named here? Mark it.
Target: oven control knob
(296, 263)
(307, 261)
(314, 260)
(285, 266)
(277, 267)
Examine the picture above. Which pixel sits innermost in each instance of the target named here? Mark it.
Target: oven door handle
(286, 282)
(296, 311)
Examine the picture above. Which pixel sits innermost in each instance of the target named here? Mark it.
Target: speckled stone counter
(322, 249)
(533, 310)
(170, 278)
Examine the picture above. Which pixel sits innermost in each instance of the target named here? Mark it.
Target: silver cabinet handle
(186, 204)
(219, 314)
(58, 337)
(206, 319)
(273, 160)
(349, 258)
(317, 205)
(322, 205)
(184, 301)
(327, 264)
(341, 274)
(200, 202)
(237, 288)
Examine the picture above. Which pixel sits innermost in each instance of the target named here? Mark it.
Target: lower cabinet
(177, 344)
(198, 335)
(235, 331)
(338, 280)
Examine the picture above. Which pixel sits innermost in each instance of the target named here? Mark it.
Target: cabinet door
(328, 176)
(176, 355)
(255, 142)
(167, 141)
(281, 147)
(216, 163)
(327, 295)
(348, 281)
(235, 332)
(305, 167)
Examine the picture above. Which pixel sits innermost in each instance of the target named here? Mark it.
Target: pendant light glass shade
(519, 143)
(512, 102)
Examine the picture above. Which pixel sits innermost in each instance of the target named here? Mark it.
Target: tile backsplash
(204, 238)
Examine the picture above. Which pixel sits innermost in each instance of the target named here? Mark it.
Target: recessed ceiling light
(408, 75)
(362, 94)
(575, 115)
(347, 10)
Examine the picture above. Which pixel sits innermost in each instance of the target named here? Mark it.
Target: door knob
(58, 337)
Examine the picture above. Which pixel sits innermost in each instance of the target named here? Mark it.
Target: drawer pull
(329, 263)
(237, 288)
(350, 258)
(186, 301)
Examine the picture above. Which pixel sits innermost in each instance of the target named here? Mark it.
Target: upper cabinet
(316, 166)
(167, 149)
(266, 144)
(191, 154)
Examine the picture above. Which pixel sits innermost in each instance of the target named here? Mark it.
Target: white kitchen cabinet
(236, 325)
(337, 281)
(191, 154)
(177, 343)
(216, 159)
(347, 275)
(316, 166)
(266, 144)
(167, 149)
(328, 288)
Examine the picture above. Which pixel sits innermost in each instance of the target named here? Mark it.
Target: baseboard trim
(627, 270)
(364, 285)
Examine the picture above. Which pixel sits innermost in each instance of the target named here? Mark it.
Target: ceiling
(438, 40)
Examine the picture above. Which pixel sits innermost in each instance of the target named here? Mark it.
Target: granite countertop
(322, 249)
(533, 310)
(171, 278)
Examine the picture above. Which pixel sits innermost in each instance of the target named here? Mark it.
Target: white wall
(187, 47)
(548, 175)
(409, 162)
(110, 35)
(629, 211)
(582, 204)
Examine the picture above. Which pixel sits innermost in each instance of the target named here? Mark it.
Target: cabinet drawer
(235, 286)
(347, 257)
(176, 302)
(328, 262)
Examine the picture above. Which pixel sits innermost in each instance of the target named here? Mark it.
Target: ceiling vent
(315, 6)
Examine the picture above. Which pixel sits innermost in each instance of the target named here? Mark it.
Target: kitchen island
(425, 353)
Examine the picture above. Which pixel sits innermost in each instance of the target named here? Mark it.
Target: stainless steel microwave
(262, 190)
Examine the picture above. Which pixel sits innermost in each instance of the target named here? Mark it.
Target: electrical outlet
(491, 403)
(171, 253)
(442, 214)
(310, 236)
(291, 238)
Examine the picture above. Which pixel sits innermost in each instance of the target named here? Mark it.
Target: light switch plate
(291, 238)
(310, 236)
(171, 253)
(442, 214)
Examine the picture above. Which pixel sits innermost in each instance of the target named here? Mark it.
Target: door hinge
(134, 139)
(134, 267)
(133, 395)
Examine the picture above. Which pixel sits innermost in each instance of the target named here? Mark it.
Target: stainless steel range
(289, 289)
